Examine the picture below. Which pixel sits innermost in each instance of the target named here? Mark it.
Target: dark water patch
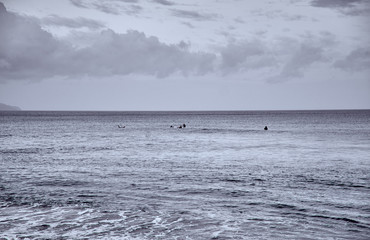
(36, 200)
(229, 131)
(88, 196)
(78, 202)
(348, 220)
(5, 135)
(101, 148)
(288, 207)
(236, 193)
(65, 227)
(331, 183)
(230, 206)
(254, 203)
(213, 192)
(258, 180)
(5, 227)
(233, 180)
(41, 227)
(28, 151)
(59, 183)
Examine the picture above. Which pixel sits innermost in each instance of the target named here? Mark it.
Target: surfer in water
(266, 128)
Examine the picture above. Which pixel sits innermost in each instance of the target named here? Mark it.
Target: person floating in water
(184, 126)
(266, 128)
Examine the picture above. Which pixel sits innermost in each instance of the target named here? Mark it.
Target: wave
(332, 183)
(5, 135)
(60, 183)
(225, 130)
(35, 150)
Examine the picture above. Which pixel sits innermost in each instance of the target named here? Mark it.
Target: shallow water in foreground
(76, 175)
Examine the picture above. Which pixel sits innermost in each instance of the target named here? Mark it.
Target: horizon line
(220, 110)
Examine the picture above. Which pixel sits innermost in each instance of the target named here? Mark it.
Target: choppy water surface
(76, 175)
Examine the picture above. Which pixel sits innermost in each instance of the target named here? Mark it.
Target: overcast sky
(185, 54)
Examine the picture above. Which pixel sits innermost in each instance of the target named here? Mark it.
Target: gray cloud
(134, 52)
(194, 15)
(114, 7)
(239, 20)
(72, 23)
(302, 58)
(37, 54)
(33, 49)
(295, 56)
(347, 7)
(110, 9)
(334, 3)
(78, 3)
(85, 3)
(357, 60)
(188, 24)
(128, 1)
(285, 59)
(245, 55)
(364, 11)
(164, 2)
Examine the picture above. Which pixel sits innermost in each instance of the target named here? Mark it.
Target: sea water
(76, 175)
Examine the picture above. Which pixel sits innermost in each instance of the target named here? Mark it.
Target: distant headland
(4, 107)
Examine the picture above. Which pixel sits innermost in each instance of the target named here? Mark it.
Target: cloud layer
(129, 7)
(54, 20)
(36, 54)
(29, 52)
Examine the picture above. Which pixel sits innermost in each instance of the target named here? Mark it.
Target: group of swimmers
(181, 126)
(184, 126)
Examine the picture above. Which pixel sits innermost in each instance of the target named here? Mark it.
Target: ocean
(77, 175)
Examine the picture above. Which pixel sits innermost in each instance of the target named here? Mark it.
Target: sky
(137, 55)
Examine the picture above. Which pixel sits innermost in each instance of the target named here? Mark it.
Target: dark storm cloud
(164, 2)
(72, 23)
(194, 15)
(37, 54)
